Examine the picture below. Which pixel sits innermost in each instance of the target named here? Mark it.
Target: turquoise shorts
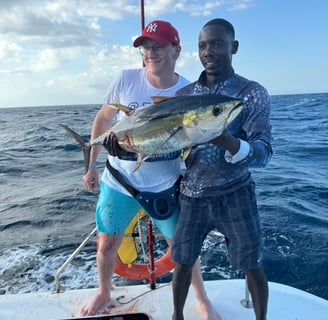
(115, 210)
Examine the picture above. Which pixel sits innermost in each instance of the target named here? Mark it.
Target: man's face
(158, 58)
(215, 49)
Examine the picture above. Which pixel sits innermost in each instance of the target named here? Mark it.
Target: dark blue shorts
(235, 215)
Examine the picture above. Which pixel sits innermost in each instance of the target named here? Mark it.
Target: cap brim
(138, 42)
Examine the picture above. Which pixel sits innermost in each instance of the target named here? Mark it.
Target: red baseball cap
(159, 31)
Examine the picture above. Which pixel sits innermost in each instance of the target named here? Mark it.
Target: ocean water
(45, 213)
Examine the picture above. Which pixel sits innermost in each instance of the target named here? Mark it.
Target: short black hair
(222, 22)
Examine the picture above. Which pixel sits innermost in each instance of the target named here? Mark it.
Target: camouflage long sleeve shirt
(208, 172)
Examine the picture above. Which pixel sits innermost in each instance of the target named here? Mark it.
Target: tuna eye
(216, 111)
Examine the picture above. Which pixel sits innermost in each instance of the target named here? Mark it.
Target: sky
(66, 52)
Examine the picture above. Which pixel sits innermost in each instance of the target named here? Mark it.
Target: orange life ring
(139, 271)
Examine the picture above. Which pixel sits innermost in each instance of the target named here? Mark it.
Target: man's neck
(163, 81)
(211, 79)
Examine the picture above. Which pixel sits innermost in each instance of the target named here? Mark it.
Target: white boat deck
(285, 303)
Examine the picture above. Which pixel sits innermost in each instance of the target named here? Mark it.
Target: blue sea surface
(45, 213)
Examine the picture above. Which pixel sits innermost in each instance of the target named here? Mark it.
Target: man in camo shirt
(217, 190)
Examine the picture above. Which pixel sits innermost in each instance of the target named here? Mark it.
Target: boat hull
(284, 303)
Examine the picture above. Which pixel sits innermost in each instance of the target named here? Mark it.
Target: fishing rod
(152, 278)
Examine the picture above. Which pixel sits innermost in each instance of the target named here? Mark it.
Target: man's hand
(112, 146)
(90, 179)
(227, 142)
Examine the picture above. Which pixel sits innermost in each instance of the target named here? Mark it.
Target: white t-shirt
(132, 88)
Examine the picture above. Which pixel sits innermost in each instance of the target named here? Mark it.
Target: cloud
(9, 50)
(76, 46)
(193, 7)
(102, 67)
(32, 29)
(46, 60)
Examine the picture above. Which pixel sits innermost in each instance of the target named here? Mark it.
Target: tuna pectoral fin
(84, 144)
(142, 157)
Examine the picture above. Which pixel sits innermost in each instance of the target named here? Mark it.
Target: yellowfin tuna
(169, 124)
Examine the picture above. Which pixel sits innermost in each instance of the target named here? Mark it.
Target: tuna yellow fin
(185, 154)
(121, 107)
(158, 99)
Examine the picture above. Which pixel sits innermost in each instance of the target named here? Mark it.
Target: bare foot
(208, 311)
(94, 305)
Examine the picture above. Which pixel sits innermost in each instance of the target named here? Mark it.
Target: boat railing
(246, 301)
(71, 257)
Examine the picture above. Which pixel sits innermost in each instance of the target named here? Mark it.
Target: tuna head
(209, 121)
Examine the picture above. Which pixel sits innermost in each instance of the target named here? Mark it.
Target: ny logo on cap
(152, 27)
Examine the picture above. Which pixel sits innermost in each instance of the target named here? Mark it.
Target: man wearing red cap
(161, 32)
(159, 45)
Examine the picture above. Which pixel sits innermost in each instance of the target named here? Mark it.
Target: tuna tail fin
(86, 148)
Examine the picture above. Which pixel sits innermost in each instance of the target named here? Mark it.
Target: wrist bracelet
(92, 165)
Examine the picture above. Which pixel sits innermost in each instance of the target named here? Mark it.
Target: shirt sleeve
(114, 89)
(257, 126)
(240, 155)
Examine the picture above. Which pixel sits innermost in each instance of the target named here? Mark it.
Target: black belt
(159, 205)
(134, 192)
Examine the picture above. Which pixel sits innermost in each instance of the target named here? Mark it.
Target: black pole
(152, 278)
(142, 15)
(142, 6)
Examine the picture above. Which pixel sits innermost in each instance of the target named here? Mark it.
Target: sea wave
(46, 213)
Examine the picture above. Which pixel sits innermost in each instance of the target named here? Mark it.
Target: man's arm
(100, 125)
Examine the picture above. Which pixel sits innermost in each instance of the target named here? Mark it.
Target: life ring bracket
(126, 266)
